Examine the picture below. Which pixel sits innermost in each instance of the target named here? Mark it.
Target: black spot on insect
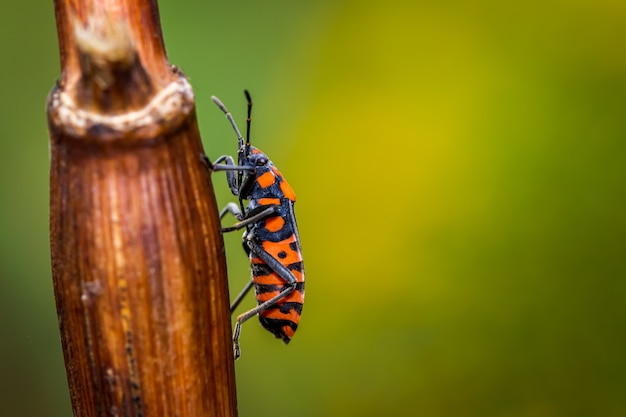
(293, 246)
(276, 327)
(287, 307)
(296, 266)
(259, 270)
(260, 288)
(282, 254)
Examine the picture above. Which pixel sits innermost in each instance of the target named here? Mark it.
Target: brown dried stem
(137, 255)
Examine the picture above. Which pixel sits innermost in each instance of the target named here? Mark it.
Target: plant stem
(137, 256)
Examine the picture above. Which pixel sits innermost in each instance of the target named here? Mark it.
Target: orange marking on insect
(275, 313)
(284, 186)
(269, 201)
(282, 252)
(288, 331)
(295, 297)
(271, 279)
(274, 224)
(266, 296)
(287, 191)
(266, 179)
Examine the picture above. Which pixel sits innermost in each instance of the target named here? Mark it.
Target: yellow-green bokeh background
(460, 170)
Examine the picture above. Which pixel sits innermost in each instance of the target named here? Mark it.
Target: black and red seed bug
(270, 239)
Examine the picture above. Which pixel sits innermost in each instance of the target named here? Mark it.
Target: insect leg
(281, 271)
(251, 313)
(236, 212)
(232, 209)
(241, 295)
(227, 163)
(245, 220)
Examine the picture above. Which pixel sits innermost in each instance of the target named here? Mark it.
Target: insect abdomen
(282, 318)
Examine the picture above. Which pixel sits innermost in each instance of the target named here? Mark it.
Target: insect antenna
(231, 120)
(248, 120)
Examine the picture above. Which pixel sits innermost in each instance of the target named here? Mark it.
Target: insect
(270, 239)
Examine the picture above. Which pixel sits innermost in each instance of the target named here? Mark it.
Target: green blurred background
(460, 169)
